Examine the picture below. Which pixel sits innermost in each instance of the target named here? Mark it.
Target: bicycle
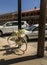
(19, 39)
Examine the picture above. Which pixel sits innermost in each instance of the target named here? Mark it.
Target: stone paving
(9, 57)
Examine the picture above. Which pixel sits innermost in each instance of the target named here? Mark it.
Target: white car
(32, 31)
(11, 26)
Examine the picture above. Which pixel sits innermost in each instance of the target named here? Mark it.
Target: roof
(31, 10)
(37, 9)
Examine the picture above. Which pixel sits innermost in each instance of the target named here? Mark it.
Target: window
(9, 24)
(46, 27)
(16, 23)
(35, 29)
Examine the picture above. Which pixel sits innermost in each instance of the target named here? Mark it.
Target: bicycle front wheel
(22, 44)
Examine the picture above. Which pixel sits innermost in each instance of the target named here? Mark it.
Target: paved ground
(9, 57)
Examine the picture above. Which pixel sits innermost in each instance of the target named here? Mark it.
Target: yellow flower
(19, 33)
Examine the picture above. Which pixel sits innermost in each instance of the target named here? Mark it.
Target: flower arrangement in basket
(19, 33)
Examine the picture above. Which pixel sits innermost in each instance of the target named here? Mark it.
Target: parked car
(11, 26)
(32, 31)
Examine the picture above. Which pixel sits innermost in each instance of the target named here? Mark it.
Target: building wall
(31, 16)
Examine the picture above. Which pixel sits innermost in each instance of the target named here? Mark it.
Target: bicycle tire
(11, 42)
(22, 40)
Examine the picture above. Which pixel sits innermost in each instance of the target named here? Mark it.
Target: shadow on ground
(17, 60)
(7, 34)
(34, 40)
(12, 50)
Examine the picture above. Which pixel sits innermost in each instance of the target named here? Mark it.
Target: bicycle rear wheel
(11, 40)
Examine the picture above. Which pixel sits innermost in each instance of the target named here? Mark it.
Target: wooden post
(19, 14)
(41, 34)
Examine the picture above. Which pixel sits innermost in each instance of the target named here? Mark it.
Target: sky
(7, 6)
